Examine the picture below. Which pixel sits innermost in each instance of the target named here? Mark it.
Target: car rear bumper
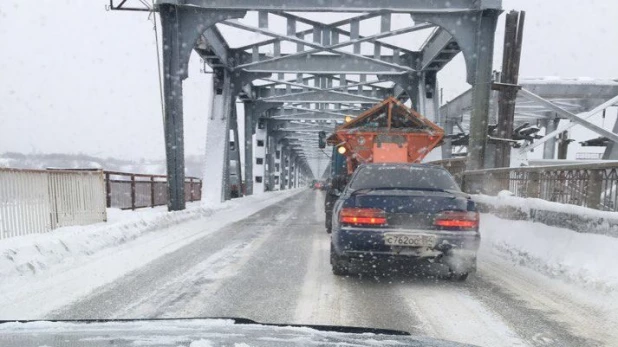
(452, 246)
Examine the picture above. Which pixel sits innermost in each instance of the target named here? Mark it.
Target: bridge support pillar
(236, 151)
(181, 27)
(270, 157)
(475, 36)
(283, 181)
(253, 111)
(297, 174)
(248, 146)
(428, 103)
(278, 165)
(447, 147)
(549, 147)
(291, 165)
(286, 166)
(259, 155)
(216, 172)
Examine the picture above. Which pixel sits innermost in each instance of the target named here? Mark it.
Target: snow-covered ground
(35, 264)
(587, 260)
(536, 285)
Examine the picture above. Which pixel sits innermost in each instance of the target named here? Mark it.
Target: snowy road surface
(274, 267)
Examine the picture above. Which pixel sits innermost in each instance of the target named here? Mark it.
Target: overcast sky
(76, 78)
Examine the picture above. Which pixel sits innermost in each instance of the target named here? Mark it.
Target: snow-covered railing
(591, 185)
(35, 201)
(566, 216)
(130, 190)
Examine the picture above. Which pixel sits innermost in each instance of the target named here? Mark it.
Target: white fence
(36, 201)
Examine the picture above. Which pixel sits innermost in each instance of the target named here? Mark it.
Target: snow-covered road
(274, 267)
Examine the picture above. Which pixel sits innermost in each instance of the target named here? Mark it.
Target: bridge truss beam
(334, 75)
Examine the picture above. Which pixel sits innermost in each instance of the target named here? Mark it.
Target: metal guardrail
(36, 201)
(593, 185)
(126, 190)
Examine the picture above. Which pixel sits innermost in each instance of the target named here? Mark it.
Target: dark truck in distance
(404, 212)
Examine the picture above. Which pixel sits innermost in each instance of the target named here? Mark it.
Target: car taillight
(457, 219)
(362, 216)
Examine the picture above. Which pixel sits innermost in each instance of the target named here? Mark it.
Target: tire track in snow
(117, 298)
(543, 312)
(355, 300)
(190, 292)
(448, 311)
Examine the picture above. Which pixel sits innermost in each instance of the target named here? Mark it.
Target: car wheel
(340, 266)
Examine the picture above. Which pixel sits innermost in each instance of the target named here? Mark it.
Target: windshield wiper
(236, 320)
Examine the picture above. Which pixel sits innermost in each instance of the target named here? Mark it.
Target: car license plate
(410, 240)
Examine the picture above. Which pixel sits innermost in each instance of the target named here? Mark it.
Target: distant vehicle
(404, 212)
(320, 185)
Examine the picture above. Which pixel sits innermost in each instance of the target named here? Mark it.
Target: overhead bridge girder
(345, 77)
(330, 96)
(331, 64)
(419, 6)
(324, 96)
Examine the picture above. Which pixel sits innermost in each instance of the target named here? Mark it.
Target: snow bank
(586, 260)
(31, 254)
(577, 218)
(526, 204)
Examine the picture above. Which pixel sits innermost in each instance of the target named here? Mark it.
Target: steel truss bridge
(304, 69)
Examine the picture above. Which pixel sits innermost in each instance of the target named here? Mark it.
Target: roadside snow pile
(573, 217)
(31, 254)
(586, 260)
(506, 199)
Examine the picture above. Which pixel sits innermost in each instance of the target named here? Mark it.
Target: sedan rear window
(411, 177)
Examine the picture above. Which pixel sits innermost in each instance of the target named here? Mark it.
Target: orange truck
(390, 132)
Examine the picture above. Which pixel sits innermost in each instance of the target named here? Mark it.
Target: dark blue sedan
(404, 212)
